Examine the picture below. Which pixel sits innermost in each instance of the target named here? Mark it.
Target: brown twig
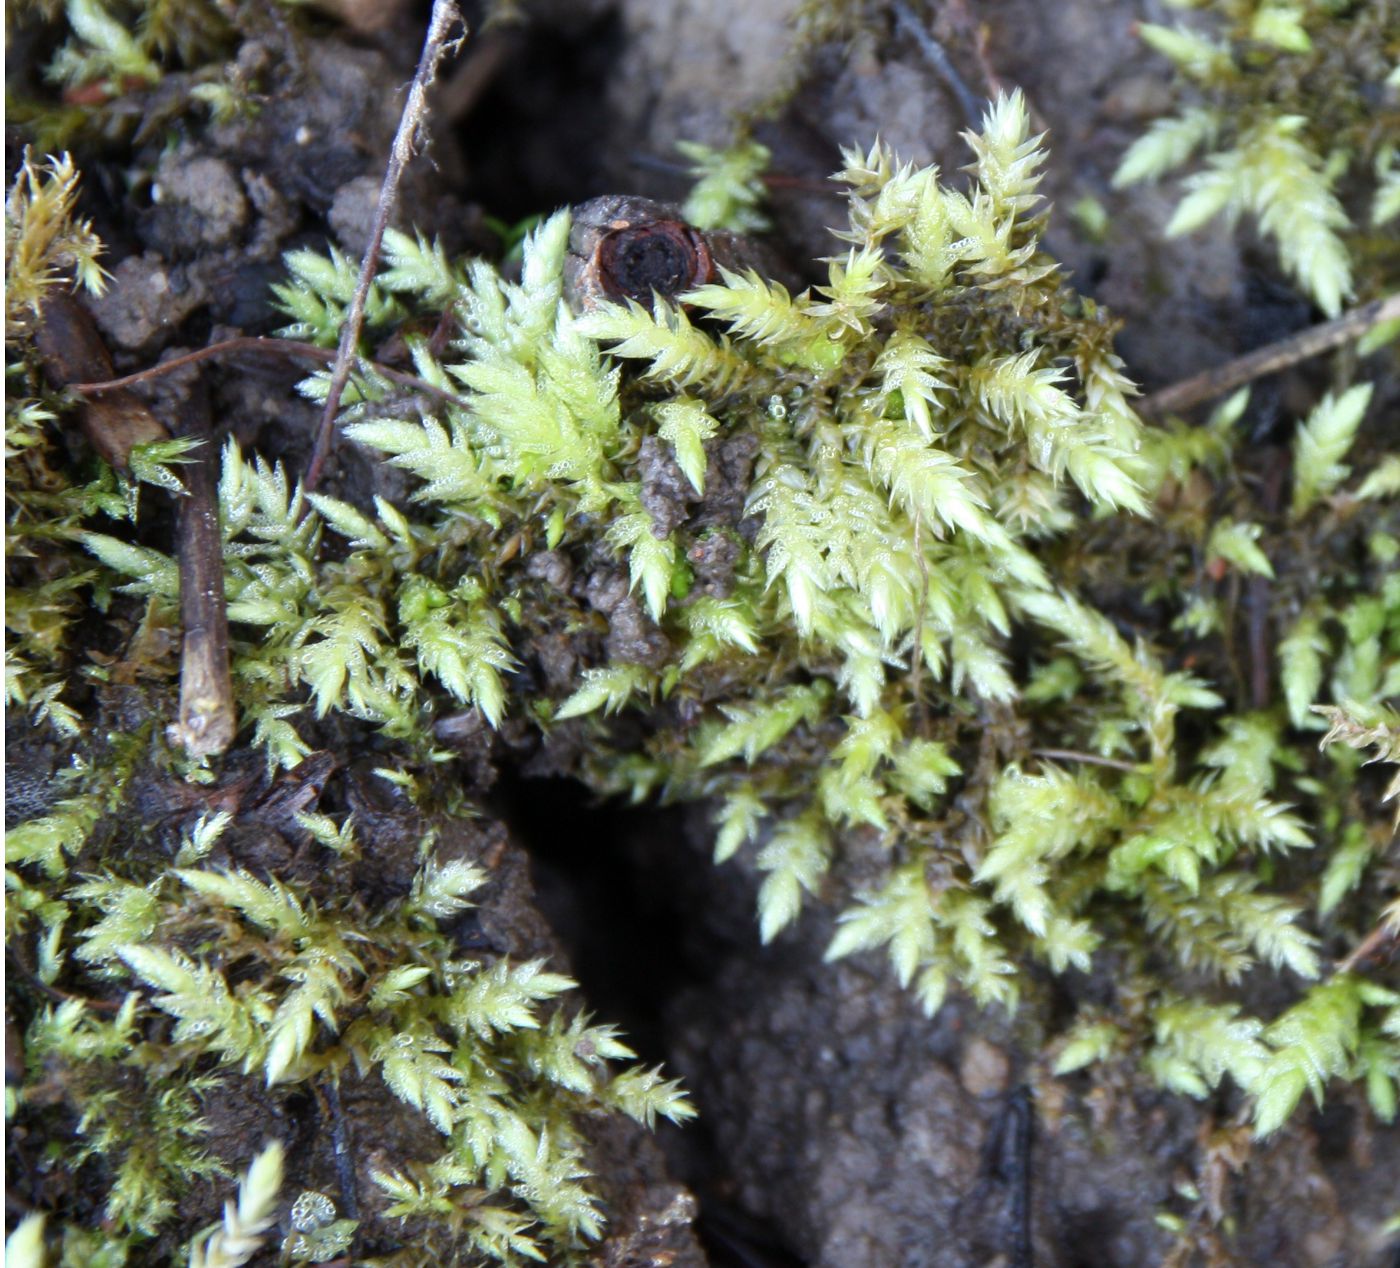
(1092, 759)
(14, 960)
(1270, 359)
(208, 720)
(977, 34)
(267, 347)
(1371, 945)
(916, 676)
(435, 47)
(241, 343)
(806, 184)
(115, 422)
(71, 348)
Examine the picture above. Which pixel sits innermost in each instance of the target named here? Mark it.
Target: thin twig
(938, 59)
(976, 33)
(241, 343)
(435, 47)
(267, 347)
(1371, 945)
(806, 184)
(14, 961)
(916, 677)
(1092, 759)
(1272, 358)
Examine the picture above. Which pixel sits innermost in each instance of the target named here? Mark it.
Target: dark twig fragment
(207, 719)
(72, 350)
(15, 966)
(1009, 1164)
(936, 56)
(1092, 759)
(978, 34)
(340, 1141)
(1270, 359)
(115, 421)
(435, 47)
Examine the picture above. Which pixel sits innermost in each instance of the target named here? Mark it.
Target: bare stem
(1091, 759)
(267, 347)
(1270, 359)
(1373, 944)
(917, 675)
(341, 1143)
(415, 110)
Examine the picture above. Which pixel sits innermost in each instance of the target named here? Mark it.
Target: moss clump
(164, 981)
(1294, 110)
(872, 563)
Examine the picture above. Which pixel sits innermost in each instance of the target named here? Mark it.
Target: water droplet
(311, 1211)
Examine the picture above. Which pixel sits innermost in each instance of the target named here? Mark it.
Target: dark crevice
(618, 885)
(540, 136)
(622, 933)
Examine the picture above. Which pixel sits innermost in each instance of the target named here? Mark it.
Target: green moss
(873, 561)
(1295, 109)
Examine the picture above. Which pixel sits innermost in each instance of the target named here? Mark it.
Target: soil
(839, 1128)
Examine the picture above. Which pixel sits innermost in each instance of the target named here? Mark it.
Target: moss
(1290, 112)
(892, 561)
